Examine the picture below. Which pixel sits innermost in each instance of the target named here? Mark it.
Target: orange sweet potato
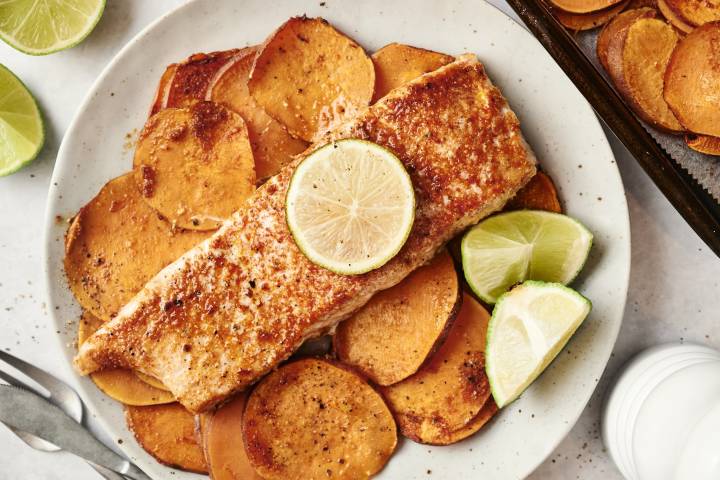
(696, 12)
(449, 391)
(272, 145)
(161, 94)
(120, 384)
(396, 64)
(703, 144)
(107, 259)
(486, 413)
(538, 194)
(394, 333)
(310, 77)
(195, 165)
(692, 80)
(167, 432)
(672, 17)
(193, 76)
(583, 6)
(222, 442)
(588, 21)
(314, 419)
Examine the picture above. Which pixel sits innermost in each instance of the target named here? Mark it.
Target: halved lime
(529, 326)
(350, 206)
(21, 127)
(509, 248)
(39, 27)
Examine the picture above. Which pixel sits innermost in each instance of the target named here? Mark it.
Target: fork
(56, 392)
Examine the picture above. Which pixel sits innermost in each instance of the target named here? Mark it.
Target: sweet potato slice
(672, 17)
(648, 46)
(611, 41)
(696, 12)
(272, 145)
(115, 244)
(588, 21)
(167, 432)
(396, 331)
(195, 165)
(313, 419)
(584, 6)
(120, 384)
(193, 77)
(450, 390)
(486, 413)
(538, 194)
(642, 4)
(222, 442)
(161, 94)
(703, 144)
(310, 77)
(396, 64)
(692, 80)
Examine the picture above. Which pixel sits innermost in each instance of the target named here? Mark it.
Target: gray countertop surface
(674, 293)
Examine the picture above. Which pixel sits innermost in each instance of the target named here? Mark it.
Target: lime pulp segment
(40, 27)
(509, 248)
(21, 129)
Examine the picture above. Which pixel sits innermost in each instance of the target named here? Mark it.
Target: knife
(691, 200)
(28, 412)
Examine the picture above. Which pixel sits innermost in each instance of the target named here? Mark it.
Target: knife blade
(28, 412)
(694, 203)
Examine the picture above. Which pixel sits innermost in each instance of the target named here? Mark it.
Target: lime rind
(338, 267)
(508, 248)
(71, 41)
(501, 399)
(29, 147)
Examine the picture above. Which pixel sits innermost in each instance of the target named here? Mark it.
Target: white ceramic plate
(557, 121)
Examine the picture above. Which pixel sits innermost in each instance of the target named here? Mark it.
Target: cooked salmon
(235, 306)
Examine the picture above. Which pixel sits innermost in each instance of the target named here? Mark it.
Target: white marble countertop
(674, 293)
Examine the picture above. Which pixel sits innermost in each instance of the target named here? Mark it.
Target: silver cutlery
(68, 403)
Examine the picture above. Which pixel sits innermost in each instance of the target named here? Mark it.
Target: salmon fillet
(232, 308)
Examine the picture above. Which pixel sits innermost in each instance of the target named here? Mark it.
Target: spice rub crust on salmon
(232, 308)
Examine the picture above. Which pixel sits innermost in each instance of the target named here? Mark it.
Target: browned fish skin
(231, 309)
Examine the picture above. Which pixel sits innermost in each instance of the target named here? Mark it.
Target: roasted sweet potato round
(611, 41)
(484, 415)
(167, 432)
(310, 77)
(395, 332)
(163, 88)
(672, 17)
(396, 64)
(195, 165)
(272, 145)
(692, 80)
(646, 52)
(703, 144)
(312, 419)
(450, 390)
(120, 384)
(538, 194)
(222, 442)
(588, 21)
(696, 12)
(116, 244)
(583, 6)
(193, 77)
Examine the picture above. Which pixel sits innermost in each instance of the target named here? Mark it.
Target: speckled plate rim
(556, 119)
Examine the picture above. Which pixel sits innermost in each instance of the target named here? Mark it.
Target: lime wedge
(509, 248)
(529, 326)
(21, 128)
(350, 206)
(39, 27)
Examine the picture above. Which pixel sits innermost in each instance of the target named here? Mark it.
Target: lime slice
(39, 27)
(21, 128)
(509, 248)
(350, 206)
(529, 326)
